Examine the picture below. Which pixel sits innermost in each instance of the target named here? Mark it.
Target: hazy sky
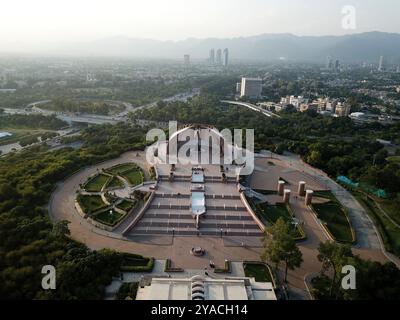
(82, 20)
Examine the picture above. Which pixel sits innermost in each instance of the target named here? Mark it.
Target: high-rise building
(186, 59)
(212, 56)
(238, 87)
(226, 57)
(381, 64)
(251, 87)
(337, 65)
(342, 110)
(219, 57)
(329, 62)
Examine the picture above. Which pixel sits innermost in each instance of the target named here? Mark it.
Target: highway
(252, 107)
(69, 117)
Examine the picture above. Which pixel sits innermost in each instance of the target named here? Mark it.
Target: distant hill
(348, 48)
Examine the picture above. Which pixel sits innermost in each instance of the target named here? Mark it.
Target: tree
(279, 246)
(333, 256)
(60, 229)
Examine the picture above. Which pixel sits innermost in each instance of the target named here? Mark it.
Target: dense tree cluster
(28, 240)
(92, 107)
(373, 280)
(137, 92)
(35, 121)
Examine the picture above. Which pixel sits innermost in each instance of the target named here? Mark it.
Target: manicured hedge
(140, 263)
(168, 267)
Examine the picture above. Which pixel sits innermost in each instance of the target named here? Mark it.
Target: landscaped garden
(259, 271)
(109, 217)
(114, 182)
(96, 183)
(271, 213)
(389, 232)
(91, 203)
(129, 171)
(127, 205)
(104, 182)
(334, 216)
(134, 176)
(120, 168)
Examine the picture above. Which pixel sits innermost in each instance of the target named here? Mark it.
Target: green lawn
(391, 209)
(126, 205)
(91, 204)
(258, 271)
(273, 213)
(389, 232)
(19, 134)
(96, 183)
(114, 183)
(108, 218)
(134, 176)
(332, 214)
(117, 170)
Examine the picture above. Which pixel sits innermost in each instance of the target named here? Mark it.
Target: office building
(238, 87)
(329, 62)
(225, 60)
(381, 64)
(219, 57)
(186, 59)
(251, 87)
(342, 110)
(212, 56)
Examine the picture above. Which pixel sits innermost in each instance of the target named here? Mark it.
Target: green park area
(134, 176)
(91, 203)
(334, 216)
(271, 214)
(127, 205)
(120, 168)
(384, 221)
(96, 183)
(22, 136)
(114, 182)
(259, 271)
(109, 217)
(129, 171)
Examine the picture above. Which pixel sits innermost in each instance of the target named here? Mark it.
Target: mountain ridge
(357, 47)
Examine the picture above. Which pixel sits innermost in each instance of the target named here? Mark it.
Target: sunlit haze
(31, 22)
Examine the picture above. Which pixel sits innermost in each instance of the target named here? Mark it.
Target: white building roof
(214, 289)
